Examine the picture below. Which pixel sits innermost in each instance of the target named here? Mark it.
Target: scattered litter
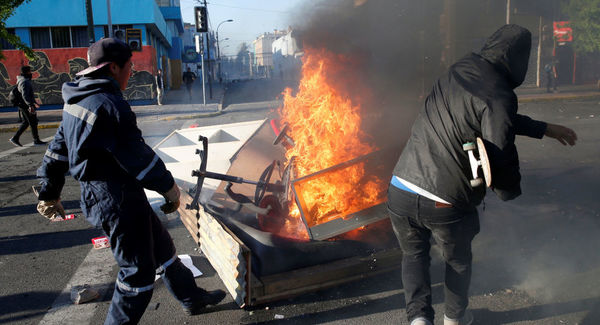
(100, 242)
(251, 313)
(592, 115)
(153, 306)
(36, 190)
(195, 125)
(277, 316)
(82, 294)
(67, 217)
(187, 262)
(508, 291)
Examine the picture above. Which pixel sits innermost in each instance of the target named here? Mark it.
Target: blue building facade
(57, 32)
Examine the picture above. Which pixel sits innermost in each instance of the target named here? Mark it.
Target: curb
(167, 118)
(187, 117)
(40, 126)
(558, 97)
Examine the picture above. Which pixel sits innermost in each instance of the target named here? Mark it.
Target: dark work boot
(38, 141)
(203, 299)
(180, 282)
(15, 142)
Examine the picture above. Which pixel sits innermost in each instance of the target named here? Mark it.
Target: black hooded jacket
(474, 99)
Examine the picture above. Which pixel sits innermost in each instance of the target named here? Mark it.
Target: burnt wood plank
(324, 275)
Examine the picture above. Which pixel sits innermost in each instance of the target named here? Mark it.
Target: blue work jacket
(99, 144)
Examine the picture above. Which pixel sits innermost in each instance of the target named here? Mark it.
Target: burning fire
(325, 126)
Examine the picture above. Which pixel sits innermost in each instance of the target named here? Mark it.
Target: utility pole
(200, 49)
(507, 12)
(208, 54)
(110, 28)
(90, 21)
(539, 55)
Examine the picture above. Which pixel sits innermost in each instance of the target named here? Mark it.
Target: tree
(7, 9)
(242, 54)
(584, 16)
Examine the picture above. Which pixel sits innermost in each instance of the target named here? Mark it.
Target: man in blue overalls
(99, 143)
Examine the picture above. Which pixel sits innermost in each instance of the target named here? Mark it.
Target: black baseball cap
(105, 51)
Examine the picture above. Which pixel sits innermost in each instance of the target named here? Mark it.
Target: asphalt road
(536, 258)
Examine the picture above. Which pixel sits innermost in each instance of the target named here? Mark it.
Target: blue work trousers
(141, 245)
(415, 220)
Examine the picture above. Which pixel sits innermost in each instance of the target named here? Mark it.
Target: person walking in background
(550, 70)
(23, 97)
(159, 86)
(430, 194)
(99, 144)
(188, 79)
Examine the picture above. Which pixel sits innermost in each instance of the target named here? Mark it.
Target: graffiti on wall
(53, 67)
(5, 87)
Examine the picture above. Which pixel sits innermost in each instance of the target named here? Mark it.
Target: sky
(251, 18)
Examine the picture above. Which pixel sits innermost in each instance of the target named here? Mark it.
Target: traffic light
(201, 20)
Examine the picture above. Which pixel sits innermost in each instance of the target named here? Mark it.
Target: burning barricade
(314, 207)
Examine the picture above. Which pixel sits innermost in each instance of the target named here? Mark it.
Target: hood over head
(82, 87)
(508, 50)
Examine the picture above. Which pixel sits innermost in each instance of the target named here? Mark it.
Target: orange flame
(325, 126)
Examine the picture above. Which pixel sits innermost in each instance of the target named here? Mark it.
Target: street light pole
(109, 20)
(219, 48)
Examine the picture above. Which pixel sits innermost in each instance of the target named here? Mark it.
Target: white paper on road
(187, 261)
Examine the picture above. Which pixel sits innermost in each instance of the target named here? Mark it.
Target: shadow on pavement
(357, 309)
(15, 245)
(17, 178)
(535, 313)
(17, 210)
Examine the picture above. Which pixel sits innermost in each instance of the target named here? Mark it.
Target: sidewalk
(528, 94)
(176, 105)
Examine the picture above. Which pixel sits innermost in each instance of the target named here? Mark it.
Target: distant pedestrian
(188, 79)
(550, 70)
(24, 98)
(159, 86)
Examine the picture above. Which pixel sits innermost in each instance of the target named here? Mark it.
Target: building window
(60, 37)
(79, 36)
(5, 45)
(120, 31)
(40, 38)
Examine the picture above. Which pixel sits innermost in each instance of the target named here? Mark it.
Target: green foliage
(7, 8)
(242, 54)
(585, 22)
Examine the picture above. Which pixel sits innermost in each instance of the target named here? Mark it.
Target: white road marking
(25, 146)
(95, 270)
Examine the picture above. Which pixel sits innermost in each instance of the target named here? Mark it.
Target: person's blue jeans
(415, 220)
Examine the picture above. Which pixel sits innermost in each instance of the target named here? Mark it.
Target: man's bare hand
(561, 133)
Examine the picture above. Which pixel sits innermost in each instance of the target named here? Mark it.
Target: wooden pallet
(231, 259)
